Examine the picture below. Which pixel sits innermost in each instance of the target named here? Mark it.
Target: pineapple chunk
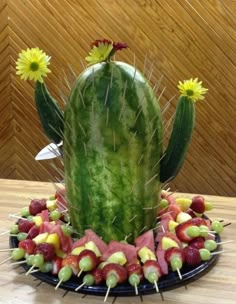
(118, 258)
(77, 250)
(184, 203)
(38, 220)
(167, 243)
(171, 225)
(40, 238)
(146, 254)
(53, 239)
(91, 246)
(51, 204)
(183, 217)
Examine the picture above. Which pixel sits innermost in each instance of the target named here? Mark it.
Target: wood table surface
(216, 286)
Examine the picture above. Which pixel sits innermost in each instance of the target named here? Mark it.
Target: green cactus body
(112, 147)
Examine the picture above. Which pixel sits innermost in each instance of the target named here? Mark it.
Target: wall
(180, 39)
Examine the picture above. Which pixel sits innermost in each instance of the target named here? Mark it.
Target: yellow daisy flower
(33, 64)
(192, 88)
(99, 53)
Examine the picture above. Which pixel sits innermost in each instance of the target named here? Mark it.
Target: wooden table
(217, 286)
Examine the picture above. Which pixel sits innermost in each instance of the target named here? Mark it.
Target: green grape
(51, 198)
(46, 267)
(205, 254)
(208, 206)
(217, 226)
(18, 254)
(193, 231)
(66, 218)
(134, 279)
(30, 259)
(55, 215)
(204, 231)
(111, 281)
(210, 245)
(176, 263)
(25, 212)
(65, 273)
(30, 218)
(88, 279)
(67, 230)
(38, 260)
(163, 204)
(21, 236)
(86, 264)
(152, 277)
(14, 229)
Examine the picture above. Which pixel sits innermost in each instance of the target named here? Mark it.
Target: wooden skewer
(107, 293)
(136, 289)
(179, 274)
(225, 242)
(29, 271)
(79, 274)
(156, 286)
(217, 252)
(80, 286)
(5, 232)
(17, 217)
(8, 259)
(58, 284)
(7, 249)
(17, 263)
(35, 270)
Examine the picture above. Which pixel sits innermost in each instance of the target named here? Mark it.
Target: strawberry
(198, 221)
(197, 243)
(192, 256)
(37, 205)
(198, 204)
(87, 260)
(135, 268)
(175, 258)
(72, 261)
(151, 267)
(24, 225)
(174, 252)
(28, 246)
(181, 231)
(34, 231)
(47, 250)
(97, 275)
(117, 270)
(56, 262)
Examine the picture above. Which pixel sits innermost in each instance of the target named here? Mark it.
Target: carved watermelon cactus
(113, 152)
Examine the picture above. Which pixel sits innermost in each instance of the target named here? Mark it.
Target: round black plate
(169, 281)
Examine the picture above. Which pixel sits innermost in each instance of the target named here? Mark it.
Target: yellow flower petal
(99, 53)
(32, 64)
(192, 88)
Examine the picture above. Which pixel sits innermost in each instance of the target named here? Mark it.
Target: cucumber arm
(173, 156)
(50, 114)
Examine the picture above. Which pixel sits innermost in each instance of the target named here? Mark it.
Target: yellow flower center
(34, 66)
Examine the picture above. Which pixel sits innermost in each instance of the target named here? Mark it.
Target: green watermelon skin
(112, 147)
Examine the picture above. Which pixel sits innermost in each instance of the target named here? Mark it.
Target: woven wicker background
(179, 38)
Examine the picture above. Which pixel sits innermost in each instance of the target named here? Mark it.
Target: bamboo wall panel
(179, 39)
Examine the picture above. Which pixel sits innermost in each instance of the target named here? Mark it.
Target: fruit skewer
(87, 261)
(113, 274)
(175, 258)
(135, 275)
(152, 272)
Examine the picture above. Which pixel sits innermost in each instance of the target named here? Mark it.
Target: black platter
(166, 282)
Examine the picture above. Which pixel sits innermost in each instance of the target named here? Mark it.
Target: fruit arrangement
(113, 225)
(47, 243)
